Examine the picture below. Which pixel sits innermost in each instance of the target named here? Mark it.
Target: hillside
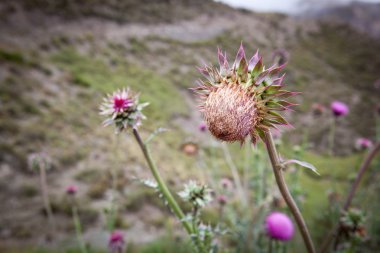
(59, 60)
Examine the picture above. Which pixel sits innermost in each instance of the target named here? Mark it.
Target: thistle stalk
(45, 195)
(78, 230)
(277, 169)
(161, 184)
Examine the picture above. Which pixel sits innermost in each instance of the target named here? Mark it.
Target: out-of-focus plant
(71, 191)
(41, 162)
(338, 109)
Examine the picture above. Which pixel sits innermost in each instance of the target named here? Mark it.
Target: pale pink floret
(363, 143)
(279, 226)
(339, 108)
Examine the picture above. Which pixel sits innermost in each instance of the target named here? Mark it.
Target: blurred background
(58, 59)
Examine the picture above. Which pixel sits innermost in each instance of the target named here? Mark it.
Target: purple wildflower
(202, 127)
(71, 189)
(279, 226)
(339, 108)
(116, 242)
(363, 144)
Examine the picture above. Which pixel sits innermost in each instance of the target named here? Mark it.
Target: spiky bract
(242, 100)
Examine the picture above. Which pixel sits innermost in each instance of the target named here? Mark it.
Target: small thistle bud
(198, 195)
(279, 226)
(339, 109)
(38, 160)
(123, 110)
(202, 127)
(116, 242)
(71, 189)
(352, 220)
(363, 144)
(318, 109)
(242, 100)
(189, 148)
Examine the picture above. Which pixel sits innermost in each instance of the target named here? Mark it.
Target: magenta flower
(116, 242)
(71, 189)
(202, 127)
(339, 108)
(363, 144)
(279, 226)
(378, 109)
(122, 109)
(222, 199)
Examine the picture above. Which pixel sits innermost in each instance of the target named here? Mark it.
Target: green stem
(45, 197)
(161, 184)
(278, 173)
(78, 230)
(332, 137)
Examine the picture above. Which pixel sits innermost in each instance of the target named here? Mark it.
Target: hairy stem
(363, 168)
(161, 184)
(45, 196)
(277, 169)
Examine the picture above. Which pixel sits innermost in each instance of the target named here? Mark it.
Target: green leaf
(303, 164)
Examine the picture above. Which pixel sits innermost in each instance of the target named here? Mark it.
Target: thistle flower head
(242, 100)
(363, 144)
(71, 189)
(339, 109)
(198, 195)
(122, 108)
(279, 226)
(116, 242)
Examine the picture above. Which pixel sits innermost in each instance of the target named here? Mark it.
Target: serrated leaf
(303, 164)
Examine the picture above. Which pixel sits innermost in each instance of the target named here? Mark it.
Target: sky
(285, 6)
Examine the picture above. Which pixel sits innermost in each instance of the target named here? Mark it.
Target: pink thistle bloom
(71, 189)
(378, 109)
(116, 242)
(339, 108)
(363, 144)
(226, 184)
(122, 109)
(222, 199)
(202, 127)
(279, 226)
